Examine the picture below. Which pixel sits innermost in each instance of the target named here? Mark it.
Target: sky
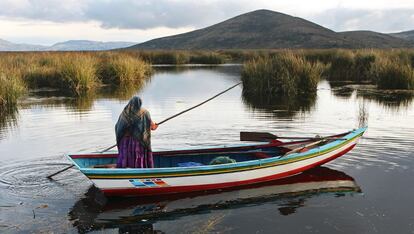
(46, 22)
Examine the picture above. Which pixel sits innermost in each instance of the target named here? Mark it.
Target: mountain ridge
(70, 45)
(265, 29)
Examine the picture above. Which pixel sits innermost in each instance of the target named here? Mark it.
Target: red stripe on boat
(94, 156)
(185, 189)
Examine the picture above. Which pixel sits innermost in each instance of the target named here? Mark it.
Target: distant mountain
(264, 29)
(88, 45)
(9, 46)
(408, 35)
(370, 39)
(73, 45)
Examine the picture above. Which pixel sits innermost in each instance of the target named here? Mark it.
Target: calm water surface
(369, 190)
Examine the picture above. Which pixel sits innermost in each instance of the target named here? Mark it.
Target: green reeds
(346, 65)
(182, 57)
(74, 72)
(11, 88)
(118, 70)
(283, 74)
(393, 73)
(207, 58)
(78, 74)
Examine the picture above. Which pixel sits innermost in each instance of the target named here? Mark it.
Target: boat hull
(124, 187)
(138, 183)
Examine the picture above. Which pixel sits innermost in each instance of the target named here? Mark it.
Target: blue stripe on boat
(104, 171)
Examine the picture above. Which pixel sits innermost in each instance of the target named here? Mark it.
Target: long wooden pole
(64, 169)
(165, 120)
(184, 111)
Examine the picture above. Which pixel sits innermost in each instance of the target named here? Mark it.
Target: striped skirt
(133, 155)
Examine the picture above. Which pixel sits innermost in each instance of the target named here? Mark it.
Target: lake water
(369, 190)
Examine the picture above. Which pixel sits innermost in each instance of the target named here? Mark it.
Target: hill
(84, 45)
(265, 29)
(73, 45)
(408, 35)
(370, 39)
(9, 46)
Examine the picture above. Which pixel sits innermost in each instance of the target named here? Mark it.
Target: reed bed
(265, 72)
(287, 73)
(181, 57)
(394, 73)
(78, 74)
(119, 70)
(71, 72)
(283, 74)
(11, 87)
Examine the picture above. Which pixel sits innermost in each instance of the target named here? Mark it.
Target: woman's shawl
(136, 121)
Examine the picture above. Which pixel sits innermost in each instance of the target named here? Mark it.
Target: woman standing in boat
(133, 136)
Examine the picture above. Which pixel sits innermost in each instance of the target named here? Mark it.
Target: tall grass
(392, 73)
(118, 70)
(11, 87)
(351, 66)
(388, 69)
(70, 72)
(181, 57)
(283, 74)
(78, 74)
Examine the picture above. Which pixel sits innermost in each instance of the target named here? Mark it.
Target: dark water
(369, 190)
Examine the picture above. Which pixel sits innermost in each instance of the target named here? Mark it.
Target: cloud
(162, 13)
(128, 14)
(339, 15)
(384, 20)
(50, 10)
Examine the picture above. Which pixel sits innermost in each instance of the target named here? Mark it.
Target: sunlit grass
(11, 87)
(120, 69)
(285, 74)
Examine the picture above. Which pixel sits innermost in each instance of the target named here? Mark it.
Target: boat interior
(201, 157)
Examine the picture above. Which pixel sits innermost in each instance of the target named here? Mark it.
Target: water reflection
(390, 99)
(95, 212)
(83, 103)
(226, 69)
(8, 120)
(282, 107)
(395, 99)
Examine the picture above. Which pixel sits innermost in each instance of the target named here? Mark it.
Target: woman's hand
(154, 126)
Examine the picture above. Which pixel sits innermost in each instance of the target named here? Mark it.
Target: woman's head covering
(136, 121)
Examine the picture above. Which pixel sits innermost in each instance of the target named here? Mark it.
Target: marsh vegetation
(287, 73)
(266, 73)
(71, 73)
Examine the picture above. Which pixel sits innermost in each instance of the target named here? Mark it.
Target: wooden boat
(97, 212)
(255, 163)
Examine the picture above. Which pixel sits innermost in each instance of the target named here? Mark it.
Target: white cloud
(138, 20)
(47, 33)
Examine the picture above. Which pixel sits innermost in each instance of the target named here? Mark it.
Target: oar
(266, 136)
(64, 169)
(301, 148)
(184, 111)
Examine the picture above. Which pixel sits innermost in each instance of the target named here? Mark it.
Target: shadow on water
(390, 99)
(95, 212)
(394, 99)
(282, 107)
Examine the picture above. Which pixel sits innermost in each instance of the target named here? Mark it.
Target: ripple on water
(28, 178)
